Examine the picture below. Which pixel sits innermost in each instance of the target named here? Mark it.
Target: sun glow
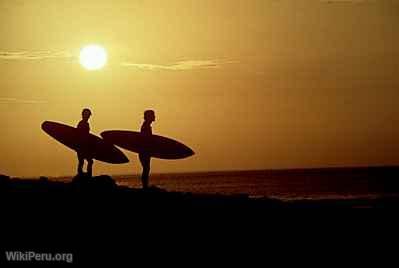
(93, 57)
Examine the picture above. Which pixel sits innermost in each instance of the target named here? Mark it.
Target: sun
(93, 57)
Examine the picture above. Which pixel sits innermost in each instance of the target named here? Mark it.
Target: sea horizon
(291, 169)
(357, 182)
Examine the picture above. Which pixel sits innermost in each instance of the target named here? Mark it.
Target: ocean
(325, 183)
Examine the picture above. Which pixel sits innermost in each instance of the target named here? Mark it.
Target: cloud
(34, 55)
(20, 101)
(180, 65)
(177, 66)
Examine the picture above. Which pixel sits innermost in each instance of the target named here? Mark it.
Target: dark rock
(103, 182)
(4, 181)
(43, 179)
(4, 178)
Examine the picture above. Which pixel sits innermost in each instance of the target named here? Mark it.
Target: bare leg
(80, 164)
(90, 167)
(145, 162)
(145, 176)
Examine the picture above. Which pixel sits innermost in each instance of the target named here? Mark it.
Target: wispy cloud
(20, 101)
(181, 65)
(176, 66)
(34, 55)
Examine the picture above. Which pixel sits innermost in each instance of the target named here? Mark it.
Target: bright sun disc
(93, 57)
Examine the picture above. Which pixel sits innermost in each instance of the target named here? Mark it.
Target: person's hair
(86, 110)
(149, 114)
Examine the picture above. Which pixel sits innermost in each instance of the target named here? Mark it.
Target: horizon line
(221, 171)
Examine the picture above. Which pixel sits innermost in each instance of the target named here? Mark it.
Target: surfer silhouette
(84, 128)
(145, 159)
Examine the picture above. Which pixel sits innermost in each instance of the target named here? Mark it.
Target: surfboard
(88, 144)
(153, 145)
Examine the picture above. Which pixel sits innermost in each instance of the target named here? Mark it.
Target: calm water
(282, 184)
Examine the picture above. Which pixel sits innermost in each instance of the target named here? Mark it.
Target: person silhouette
(145, 159)
(84, 128)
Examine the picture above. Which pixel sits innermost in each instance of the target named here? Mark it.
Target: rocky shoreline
(103, 188)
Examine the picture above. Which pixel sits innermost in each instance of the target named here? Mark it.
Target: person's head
(86, 113)
(149, 115)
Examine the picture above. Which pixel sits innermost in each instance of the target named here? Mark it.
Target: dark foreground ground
(102, 223)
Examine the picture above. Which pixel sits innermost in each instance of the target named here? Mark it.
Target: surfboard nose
(45, 125)
(190, 152)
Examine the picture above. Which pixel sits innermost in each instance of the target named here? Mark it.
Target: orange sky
(246, 84)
